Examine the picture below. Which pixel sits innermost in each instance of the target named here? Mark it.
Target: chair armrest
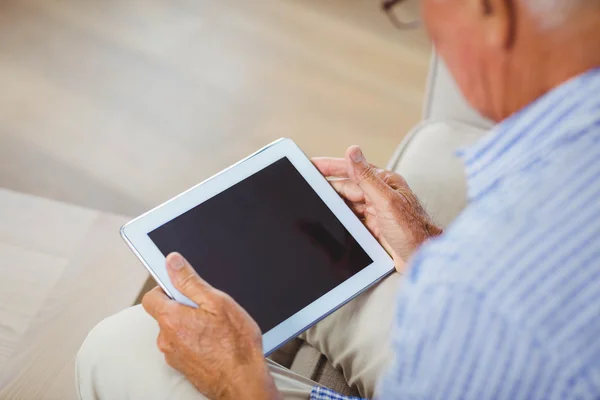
(426, 159)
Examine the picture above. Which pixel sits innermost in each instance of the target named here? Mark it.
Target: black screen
(269, 241)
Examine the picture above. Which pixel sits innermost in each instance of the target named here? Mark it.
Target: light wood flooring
(63, 269)
(120, 104)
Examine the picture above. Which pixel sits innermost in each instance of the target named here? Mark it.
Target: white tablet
(272, 233)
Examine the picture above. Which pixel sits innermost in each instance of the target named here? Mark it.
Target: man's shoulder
(530, 249)
(531, 240)
(526, 223)
(552, 195)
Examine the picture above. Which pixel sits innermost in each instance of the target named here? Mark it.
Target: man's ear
(498, 21)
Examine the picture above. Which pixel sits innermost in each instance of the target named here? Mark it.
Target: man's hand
(383, 200)
(217, 346)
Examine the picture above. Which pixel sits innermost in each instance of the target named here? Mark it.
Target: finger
(359, 209)
(349, 190)
(367, 178)
(394, 180)
(185, 279)
(328, 166)
(164, 344)
(369, 210)
(156, 302)
(335, 167)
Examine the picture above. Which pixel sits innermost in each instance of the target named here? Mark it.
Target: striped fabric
(506, 304)
(322, 393)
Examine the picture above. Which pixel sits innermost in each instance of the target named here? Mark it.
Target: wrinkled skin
(217, 346)
(383, 200)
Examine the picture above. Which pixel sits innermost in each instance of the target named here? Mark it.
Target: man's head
(506, 53)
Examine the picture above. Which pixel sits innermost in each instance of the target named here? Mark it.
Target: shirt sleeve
(321, 393)
(451, 343)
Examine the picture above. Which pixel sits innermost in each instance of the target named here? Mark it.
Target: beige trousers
(120, 360)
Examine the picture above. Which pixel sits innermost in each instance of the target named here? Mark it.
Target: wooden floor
(118, 105)
(64, 269)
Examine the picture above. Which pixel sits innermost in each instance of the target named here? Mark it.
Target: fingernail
(357, 155)
(175, 261)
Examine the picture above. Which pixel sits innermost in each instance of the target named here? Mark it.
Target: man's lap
(355, 339)
(120, 359)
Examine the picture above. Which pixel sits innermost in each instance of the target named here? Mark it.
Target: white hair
(553, 12)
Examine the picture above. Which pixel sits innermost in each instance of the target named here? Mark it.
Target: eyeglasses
(401, 14)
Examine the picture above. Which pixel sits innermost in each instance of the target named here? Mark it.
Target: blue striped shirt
(506, 304)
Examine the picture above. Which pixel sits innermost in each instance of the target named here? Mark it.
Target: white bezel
(135, 233)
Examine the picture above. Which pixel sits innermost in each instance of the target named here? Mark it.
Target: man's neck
(561, 57)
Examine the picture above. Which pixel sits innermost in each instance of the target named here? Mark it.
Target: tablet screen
(268, 241)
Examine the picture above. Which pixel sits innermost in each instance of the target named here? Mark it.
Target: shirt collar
(520, 137)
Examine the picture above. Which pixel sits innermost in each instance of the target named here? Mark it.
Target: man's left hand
(384, 202)
(217, 346)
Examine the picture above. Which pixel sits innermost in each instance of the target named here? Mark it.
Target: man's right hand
(383, 200)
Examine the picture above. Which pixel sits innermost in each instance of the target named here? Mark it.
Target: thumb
(185, 279)
(365, 175)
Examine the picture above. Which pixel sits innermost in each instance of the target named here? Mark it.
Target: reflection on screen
(269, 241)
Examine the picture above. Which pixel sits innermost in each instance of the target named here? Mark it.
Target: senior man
(505, 304)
